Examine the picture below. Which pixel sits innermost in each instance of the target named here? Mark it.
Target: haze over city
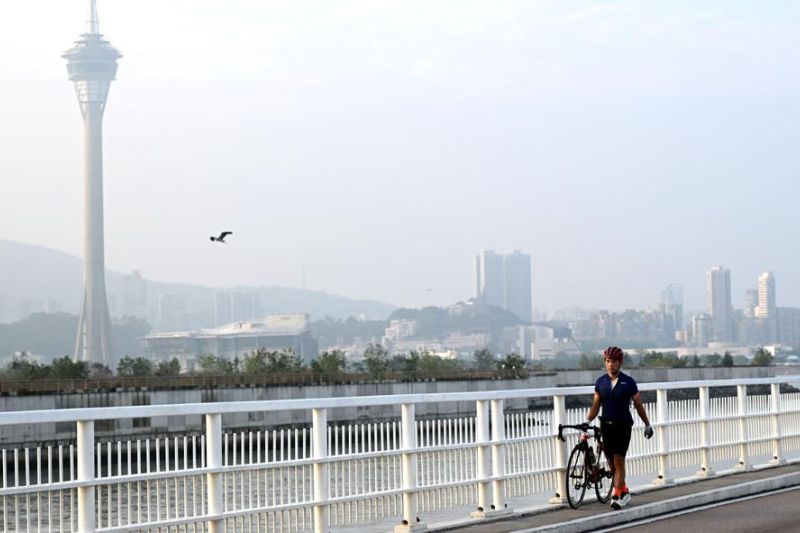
(377, 146)
(370, 265)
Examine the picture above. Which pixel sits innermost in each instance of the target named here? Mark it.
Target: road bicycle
(587, 466)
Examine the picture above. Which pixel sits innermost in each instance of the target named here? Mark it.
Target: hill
(35, 278)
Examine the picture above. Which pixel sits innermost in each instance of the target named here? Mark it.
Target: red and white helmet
(614, 353)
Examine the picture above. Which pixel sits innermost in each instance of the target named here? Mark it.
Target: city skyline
(131, 294)
(622, 160)
(671, 294)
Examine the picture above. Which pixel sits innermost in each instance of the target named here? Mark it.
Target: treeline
(22, 367)
(656, 359)
(376, 360)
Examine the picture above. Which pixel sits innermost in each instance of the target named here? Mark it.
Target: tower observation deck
(92, 65)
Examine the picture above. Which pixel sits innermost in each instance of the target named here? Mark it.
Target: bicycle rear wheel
(576, 477)
(604, 483)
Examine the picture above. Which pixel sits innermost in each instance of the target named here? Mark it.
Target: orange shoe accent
(617, 492)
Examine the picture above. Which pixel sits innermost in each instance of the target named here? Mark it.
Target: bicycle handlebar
(580, 427)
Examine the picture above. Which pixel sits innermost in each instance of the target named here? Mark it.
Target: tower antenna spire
(93, 23)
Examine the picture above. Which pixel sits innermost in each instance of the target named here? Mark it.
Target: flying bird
(221, 237)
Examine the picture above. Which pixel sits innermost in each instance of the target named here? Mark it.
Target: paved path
(592, 515)
(775, 512)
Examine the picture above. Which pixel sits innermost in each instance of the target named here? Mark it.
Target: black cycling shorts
(616, 438)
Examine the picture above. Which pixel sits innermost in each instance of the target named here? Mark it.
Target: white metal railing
(325, 475)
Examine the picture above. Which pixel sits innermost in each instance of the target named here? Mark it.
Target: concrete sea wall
(122, 429)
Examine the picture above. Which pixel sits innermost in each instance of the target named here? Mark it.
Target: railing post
(499, 505)
(86, 501)
(775, 397)
(744, 447)
(483, 457)
(705, 434)
(662, 432)
(319, 445)
(214, 480)
(560, 417)
(408, 441)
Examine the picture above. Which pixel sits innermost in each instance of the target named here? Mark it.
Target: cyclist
(614, 391)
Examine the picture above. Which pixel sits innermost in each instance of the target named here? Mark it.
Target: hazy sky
(380, 144)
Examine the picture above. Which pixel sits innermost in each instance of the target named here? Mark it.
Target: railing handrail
(277, 378)
(147, 411)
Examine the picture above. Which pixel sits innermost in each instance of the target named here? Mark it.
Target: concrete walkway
(645, 502)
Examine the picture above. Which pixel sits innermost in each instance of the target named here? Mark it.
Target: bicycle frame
(585, 462)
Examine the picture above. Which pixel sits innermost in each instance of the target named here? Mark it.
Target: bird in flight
(221, 237)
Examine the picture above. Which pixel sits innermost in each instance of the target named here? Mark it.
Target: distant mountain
(34, 278)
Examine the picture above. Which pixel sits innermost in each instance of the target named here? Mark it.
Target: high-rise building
(702, 327)
(718, 296)
(92, 65)
(488, 278)
(504, 281)
(766, 296)
(672, 303)
(750, 302)
(766, 312)
(517, 286)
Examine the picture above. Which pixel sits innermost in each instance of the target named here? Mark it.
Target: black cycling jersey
(616, 402)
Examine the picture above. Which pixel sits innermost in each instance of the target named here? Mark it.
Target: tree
(694, 361)
(714, 359)
(134, 367)
(99, 370)
(727, 359)
(255, 363)
(211, 364)
(168, 368)
(329, 362)
(512, 361)
(22, 367)
(66, 368)
(654, 359)
(762, 358)
(284, 360)
(376, 359)
(263, 361)
(594, 363)
(429, 362)
(483, 359)
(406, 363)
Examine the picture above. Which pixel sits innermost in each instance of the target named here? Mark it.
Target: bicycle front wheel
(576, 477)
(603, 483)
